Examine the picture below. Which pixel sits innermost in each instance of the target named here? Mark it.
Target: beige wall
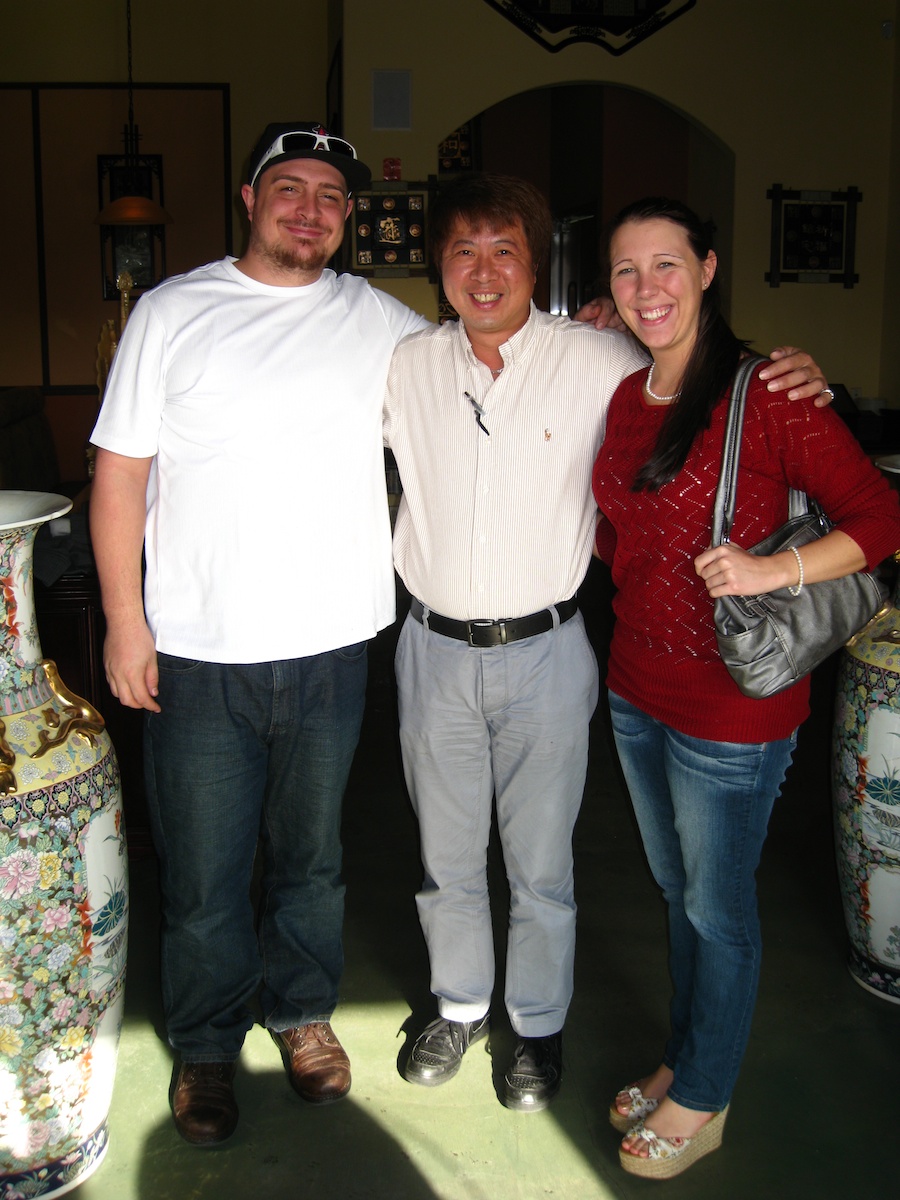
(273, 54)
(803, 92)
(277, 72)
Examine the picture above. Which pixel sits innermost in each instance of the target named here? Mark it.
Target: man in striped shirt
(495, 422)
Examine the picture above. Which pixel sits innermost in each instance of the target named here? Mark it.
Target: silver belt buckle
(473, 625)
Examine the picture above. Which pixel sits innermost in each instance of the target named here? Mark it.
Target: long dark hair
(713, 359)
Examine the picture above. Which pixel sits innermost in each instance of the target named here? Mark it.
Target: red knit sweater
(663, 657)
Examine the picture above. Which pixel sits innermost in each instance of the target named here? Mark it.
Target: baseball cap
(286, 140)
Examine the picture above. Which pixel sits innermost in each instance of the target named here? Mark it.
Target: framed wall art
(813, 236)
(458, 153)
(389, 229)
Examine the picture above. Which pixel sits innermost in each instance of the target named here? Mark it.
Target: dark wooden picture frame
(389, 230)
(459, 152)
(813, 236)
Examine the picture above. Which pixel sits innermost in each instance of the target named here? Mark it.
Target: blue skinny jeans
(703, 809)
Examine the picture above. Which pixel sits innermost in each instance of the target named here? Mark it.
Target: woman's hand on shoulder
(795, 372)
(728, 570)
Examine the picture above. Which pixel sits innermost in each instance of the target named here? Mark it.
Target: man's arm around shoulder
(118, 511)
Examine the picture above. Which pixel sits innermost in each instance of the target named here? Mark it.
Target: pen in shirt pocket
(479, 412)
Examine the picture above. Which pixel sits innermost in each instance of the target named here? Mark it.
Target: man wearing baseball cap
(245, 401)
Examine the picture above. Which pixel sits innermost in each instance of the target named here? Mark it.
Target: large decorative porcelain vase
(866, 792)
(63, 895)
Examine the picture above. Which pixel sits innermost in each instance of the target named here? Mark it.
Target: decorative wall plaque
(616, 25)
(813, 236)
(458, 152)
(388, 230)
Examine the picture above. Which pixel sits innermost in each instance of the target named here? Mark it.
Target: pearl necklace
(650, 392)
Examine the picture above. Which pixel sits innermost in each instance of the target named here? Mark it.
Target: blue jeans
(703, 809)
(241, 755)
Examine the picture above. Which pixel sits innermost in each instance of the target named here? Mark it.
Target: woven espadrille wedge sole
(640, 1106)
(669, 1158)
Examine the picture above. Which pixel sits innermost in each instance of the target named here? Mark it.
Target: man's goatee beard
(303, 256)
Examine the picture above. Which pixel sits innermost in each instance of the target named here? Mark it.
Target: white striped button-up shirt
(498, 521)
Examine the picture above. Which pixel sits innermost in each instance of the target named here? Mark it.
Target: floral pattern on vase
(866, 790)
(63, 896)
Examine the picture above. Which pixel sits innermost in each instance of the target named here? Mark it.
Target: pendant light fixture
(132, 210)
(127, 184)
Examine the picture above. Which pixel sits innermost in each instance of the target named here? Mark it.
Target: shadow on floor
(815, 1103)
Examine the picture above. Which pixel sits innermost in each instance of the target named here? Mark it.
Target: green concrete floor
(814, 1114)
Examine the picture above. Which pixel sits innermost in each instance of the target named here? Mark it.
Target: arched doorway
(592, 148)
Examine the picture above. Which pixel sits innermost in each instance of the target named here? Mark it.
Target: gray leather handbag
(769, 642)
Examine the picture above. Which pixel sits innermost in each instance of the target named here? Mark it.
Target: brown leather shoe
(316, 1062)
(203, 1103)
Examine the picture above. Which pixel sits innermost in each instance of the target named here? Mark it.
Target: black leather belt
(485, 634)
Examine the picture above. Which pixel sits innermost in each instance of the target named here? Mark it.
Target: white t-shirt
(267, 533)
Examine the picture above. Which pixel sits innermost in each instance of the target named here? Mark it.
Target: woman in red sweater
(703, 762)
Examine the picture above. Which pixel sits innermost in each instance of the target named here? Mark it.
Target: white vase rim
(27, 508)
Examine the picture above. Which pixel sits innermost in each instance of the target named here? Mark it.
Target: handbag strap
(799, 504)
(726, 492)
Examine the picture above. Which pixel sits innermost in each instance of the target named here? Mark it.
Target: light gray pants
(511, 722)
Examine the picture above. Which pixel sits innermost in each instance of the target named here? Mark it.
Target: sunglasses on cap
(303, 140)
